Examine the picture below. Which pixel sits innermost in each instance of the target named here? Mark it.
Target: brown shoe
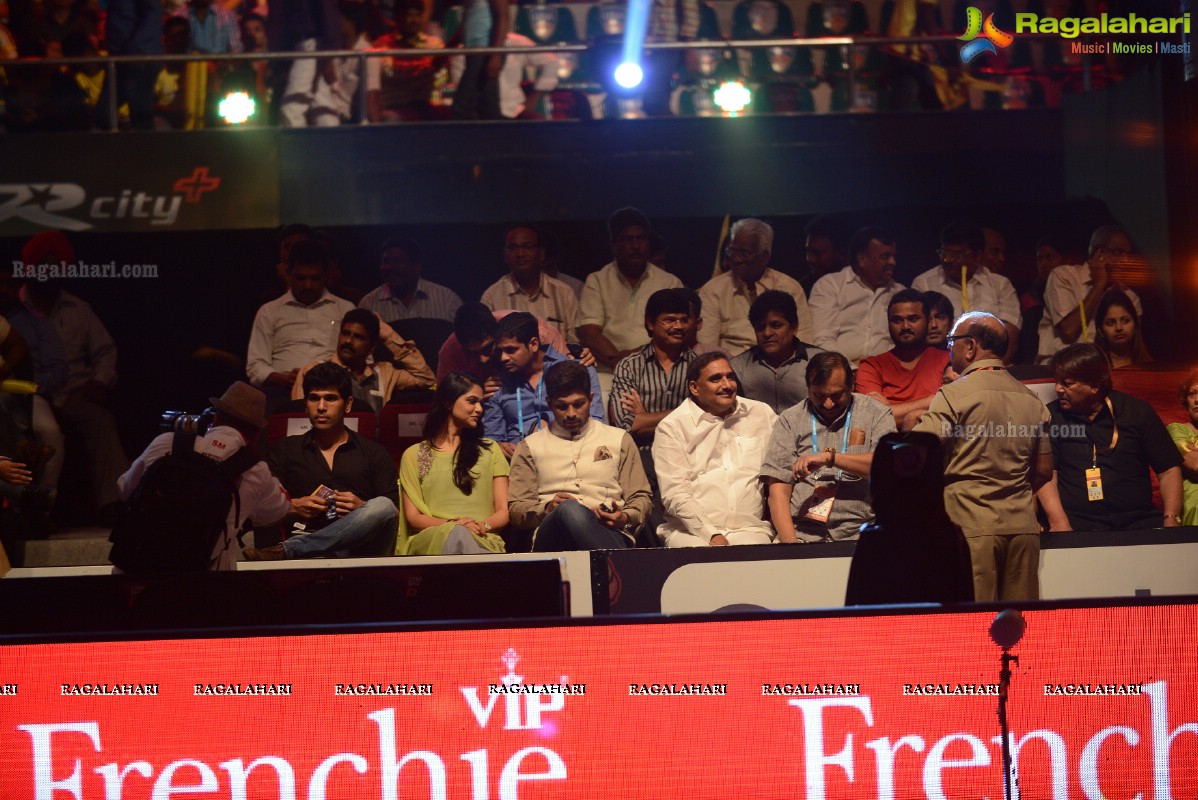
(273, 553)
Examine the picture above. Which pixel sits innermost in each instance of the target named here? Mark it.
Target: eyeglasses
(954, 255)
(951, 339)
(739, 253)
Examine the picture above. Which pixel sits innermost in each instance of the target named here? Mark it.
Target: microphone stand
(1004, 684)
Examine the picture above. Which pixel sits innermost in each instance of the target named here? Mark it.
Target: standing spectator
(307, 25)
(485, 24)
(133, 27)
(513, 104)
(408, 82)
(213, 28)
(997, 455)
(338, 82)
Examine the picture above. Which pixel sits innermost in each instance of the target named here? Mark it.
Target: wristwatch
(487, 527)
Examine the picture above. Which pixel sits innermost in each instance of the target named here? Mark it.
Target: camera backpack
(178, 512)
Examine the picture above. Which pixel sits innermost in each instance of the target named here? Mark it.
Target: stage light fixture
(629, 75)
(732, 97)
(236, 108)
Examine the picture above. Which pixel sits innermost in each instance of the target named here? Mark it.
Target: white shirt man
(299, 327)
(526, 287)
(512, 102)
(848, 308)
(1073, 292)
(708, 453)
(727, 297)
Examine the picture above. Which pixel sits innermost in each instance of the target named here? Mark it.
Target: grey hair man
(727, 297)
(1073, 291)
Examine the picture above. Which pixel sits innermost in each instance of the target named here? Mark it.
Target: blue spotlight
(636, 20)
(629, 75)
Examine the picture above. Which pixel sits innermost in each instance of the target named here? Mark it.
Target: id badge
(819, 506)
(1094, 484)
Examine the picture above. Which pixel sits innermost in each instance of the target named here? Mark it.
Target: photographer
(240, 416)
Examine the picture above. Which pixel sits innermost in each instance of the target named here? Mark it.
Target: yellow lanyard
(965, 289)
(1114, 436)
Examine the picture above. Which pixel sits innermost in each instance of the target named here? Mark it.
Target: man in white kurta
(708, 453)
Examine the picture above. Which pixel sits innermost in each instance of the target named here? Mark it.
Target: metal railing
(852, 42)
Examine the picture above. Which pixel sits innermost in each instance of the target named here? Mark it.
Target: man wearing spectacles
(820, 454)
(996, 456)
(969, 285)
(1073, 291)
(727, 297)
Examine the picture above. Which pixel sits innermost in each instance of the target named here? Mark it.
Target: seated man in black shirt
(343, 487)
(1103, 444)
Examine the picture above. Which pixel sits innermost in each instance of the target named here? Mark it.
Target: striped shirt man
(431, 301)
(660, 391)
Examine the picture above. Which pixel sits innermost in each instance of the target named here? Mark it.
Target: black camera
(182, 422)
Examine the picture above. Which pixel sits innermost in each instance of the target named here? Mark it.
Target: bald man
(996, 455)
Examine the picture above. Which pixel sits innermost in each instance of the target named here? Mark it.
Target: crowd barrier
(1095, 564)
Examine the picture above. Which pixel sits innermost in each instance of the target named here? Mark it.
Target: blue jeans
(573, 526)
(368, 530)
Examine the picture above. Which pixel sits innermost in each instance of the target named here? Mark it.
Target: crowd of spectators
(329, 91)
(630, 410)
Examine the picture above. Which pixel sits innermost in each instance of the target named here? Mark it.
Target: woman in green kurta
(1185, 436)
(454, 484)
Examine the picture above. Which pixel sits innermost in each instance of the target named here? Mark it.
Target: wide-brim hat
(243, 402)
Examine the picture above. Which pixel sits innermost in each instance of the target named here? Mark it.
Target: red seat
(294, 423)
(400, 427)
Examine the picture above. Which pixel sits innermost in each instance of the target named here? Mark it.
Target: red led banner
(1104, 704)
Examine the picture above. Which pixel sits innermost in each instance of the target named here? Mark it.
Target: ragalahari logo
(988, 31)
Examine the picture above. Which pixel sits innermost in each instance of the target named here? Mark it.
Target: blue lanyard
(536, 407)
(844, 439)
